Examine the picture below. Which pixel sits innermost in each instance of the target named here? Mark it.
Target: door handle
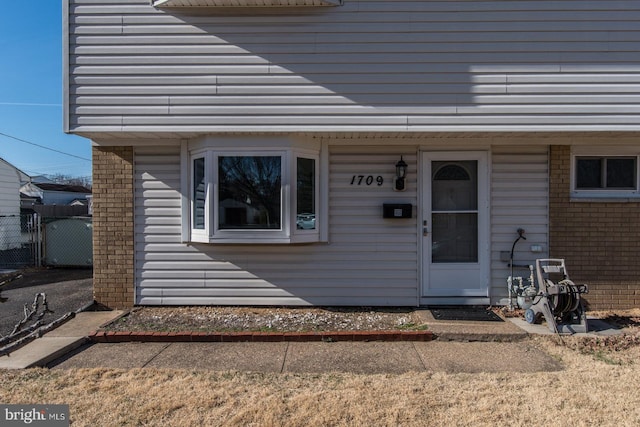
(425, 231)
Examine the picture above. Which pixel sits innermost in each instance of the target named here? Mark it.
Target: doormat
(465, 313)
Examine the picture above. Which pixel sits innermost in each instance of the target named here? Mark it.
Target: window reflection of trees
(305, 188)
(249, 192)
(199, 194)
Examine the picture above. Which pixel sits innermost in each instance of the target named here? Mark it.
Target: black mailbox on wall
(397, 210)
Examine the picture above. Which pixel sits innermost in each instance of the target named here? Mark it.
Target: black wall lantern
(401, 174)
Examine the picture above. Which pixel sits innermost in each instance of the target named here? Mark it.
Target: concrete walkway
(58, 342)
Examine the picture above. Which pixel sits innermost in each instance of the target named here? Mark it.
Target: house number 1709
(367, 180)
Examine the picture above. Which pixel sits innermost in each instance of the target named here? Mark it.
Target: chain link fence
(20, 241)
(30, 240)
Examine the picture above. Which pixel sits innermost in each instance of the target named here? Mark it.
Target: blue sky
(31, 91)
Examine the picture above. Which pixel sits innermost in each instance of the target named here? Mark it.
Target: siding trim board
(66, 75)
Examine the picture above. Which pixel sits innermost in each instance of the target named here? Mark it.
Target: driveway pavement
(67, 290)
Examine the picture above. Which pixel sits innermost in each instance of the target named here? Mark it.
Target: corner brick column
(113, 246)
(599, 240)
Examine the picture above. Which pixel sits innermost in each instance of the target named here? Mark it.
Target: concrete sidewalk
(460, 346)
(375, 357)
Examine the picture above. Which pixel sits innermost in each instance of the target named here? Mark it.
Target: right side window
(606, 176)
(305, 193)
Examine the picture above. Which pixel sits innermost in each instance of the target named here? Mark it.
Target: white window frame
(288, 232)
(302, 235)
(604, 153)
(198, 234)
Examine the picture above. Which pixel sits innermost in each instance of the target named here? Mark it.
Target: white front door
(455, 228)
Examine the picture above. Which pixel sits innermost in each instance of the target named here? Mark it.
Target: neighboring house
(80, 202)
(55, 194)
(53, 200)
(41, 179)
(218, 130)
(10, 178)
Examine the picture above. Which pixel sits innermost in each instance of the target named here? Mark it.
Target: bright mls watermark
(34, 415)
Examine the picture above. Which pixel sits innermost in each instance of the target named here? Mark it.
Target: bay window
(261, 196)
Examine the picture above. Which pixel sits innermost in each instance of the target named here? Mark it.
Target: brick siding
(599, 240)
(113, 246)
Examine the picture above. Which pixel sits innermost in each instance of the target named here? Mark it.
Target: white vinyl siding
(9, 190)
(9, 206)
(368, 260)
(367, 65)
(519, 199)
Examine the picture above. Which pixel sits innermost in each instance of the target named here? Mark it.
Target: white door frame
(479, 294)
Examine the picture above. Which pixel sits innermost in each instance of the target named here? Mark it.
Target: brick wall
(113, 247)
(599, 240)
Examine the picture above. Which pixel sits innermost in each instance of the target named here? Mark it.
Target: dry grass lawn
(600, 388)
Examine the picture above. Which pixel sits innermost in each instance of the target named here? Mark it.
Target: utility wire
(46, 148)
(30, 104)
